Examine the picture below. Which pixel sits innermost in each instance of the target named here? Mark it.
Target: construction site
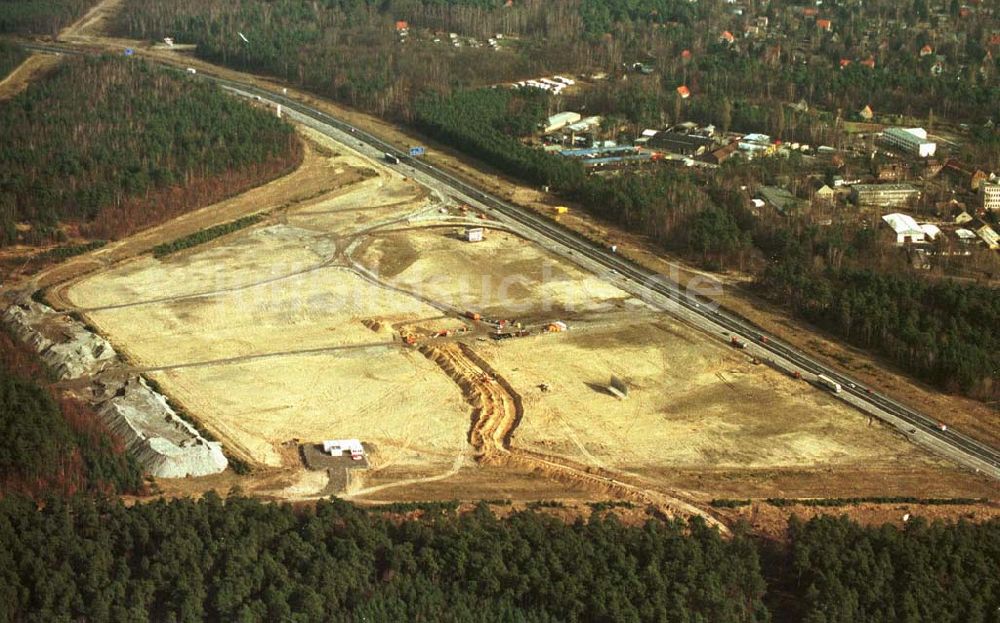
(471, 362)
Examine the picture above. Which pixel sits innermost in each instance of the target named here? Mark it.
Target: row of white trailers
(556, 84)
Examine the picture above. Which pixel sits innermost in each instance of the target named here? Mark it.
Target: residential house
(825, 193)
(722, 154)
(891, 172)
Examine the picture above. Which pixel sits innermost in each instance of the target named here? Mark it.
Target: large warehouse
(911, 140)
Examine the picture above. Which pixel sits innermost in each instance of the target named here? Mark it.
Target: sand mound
(165, 445)
(65, 345)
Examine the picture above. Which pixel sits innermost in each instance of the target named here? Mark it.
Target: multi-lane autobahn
(653, 287)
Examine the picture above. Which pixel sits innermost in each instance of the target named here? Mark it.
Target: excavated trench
(497, 410)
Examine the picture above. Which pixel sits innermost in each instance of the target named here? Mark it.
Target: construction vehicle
(473, 315)
(561, 209)
(556, 327)
(828, 383)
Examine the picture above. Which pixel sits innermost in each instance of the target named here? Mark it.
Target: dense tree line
(118, 144)
(205, 235)
(941, 331)
(486, 122)
(53, 443)
(40, 17)
(844, 573)
(11, 55)
(242, 560)
(348, 49)
(84, 558)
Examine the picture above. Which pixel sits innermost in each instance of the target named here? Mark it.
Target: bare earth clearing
(975, 418)
(292, 331)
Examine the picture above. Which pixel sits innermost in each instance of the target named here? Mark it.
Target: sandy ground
(393, 399)
(973, 417)
(691, 402)
(502, 276)
(289, 331)
(260, 334)
(252, 334)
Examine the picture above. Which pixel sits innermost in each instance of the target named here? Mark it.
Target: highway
(648, 285)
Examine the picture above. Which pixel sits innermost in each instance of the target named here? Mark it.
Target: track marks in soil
(497, 409)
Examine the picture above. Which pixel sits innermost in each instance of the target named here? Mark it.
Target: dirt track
(31, 69)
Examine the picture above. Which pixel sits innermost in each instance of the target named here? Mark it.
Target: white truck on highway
(828, 383)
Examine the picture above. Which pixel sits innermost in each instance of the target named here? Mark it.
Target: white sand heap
(165, 444)
(64, 344)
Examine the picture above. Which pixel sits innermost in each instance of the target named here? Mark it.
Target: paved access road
(653, 287)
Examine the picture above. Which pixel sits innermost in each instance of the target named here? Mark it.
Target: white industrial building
(905, 227)
(911, 140)
(584, 125)
(337, 447)
(931, 231)
(561, 120)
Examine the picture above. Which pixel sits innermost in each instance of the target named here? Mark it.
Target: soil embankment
(164, 443)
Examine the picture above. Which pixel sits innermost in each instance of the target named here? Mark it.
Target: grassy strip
(874, 500)
(829, 502)
(206, 235)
